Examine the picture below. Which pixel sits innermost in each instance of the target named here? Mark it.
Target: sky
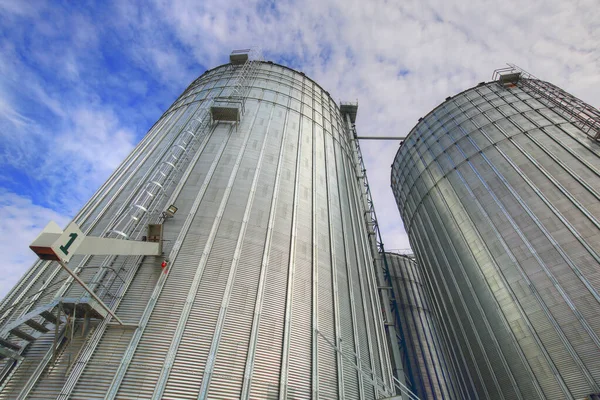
(82, 82)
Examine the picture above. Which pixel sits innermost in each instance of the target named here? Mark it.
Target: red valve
(164, 264)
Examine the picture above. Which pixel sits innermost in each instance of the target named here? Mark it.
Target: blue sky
(82, 82)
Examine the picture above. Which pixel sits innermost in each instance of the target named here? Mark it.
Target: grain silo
(498, 188)
(267, 287)
(429, 366)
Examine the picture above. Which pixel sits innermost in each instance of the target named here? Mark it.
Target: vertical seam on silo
(213, 352)
(338, 339)
(246, 386)
(464, 304)
(455, 143)
(509, 252)
(178, 335)
(315, 267)
(455, 362)
(463, 270)
(457, 371)
(442, 380)
(283, 376)
(444, 336)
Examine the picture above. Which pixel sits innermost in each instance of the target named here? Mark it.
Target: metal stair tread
(36, 325)
(9, 344)
(23, 335)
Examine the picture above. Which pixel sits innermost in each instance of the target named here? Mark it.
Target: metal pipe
(381, 137)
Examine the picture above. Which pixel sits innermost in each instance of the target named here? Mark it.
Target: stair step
(9, 345)
(22, 335)
(37, 326)
(49, 316)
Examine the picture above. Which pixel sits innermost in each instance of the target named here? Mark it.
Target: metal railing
(581, 114)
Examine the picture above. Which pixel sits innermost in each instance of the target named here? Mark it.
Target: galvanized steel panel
(280, 188)
(498, 193)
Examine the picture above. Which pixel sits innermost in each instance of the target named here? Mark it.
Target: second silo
(432, 374)
(498, 190)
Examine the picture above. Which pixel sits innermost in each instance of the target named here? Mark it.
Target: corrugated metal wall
(499, 195)
(269, 291)
(432, 373)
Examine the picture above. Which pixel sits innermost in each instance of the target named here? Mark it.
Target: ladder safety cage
(581, 114)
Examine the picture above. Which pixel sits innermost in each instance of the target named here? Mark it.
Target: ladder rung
(37, 326)
(22, 335)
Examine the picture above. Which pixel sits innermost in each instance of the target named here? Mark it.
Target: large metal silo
(269, 289)
(429, 367)
(499, 190)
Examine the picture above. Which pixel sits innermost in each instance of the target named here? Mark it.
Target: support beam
(381, 137)
(93, 245)
(87, 289)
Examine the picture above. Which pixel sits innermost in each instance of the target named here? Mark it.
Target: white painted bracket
(54, 244)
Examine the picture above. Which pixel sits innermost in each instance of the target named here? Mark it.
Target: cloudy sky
(81, 83)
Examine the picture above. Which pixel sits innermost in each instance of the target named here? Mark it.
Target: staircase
(17, 335)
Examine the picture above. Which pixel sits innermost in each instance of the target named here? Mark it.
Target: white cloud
(398, 58)
(446, 47)
(13, 116)
(56, 131)
(96, 139)
(21, 222)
